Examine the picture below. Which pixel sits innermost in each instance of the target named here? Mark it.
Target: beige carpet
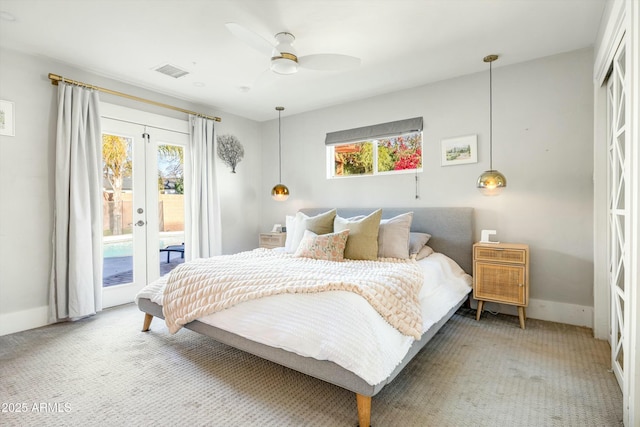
(103, 372)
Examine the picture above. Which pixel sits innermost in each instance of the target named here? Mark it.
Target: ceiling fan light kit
(491, 182)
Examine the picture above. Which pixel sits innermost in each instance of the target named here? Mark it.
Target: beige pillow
(363, 235)
(393, 236)
(423, 253)
(319, 224)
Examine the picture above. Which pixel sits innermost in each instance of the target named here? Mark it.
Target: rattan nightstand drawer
(498, 254)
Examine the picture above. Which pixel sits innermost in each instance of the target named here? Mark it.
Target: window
(387, 148)
(381, 156)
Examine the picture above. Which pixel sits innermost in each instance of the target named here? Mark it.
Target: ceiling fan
(284, 59)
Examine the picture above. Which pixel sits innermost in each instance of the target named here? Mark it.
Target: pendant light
(280, 192)
(491, 182)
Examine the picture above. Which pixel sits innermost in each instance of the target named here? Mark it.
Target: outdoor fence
(120, 221)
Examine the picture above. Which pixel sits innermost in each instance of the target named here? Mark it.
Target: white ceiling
(402, 43)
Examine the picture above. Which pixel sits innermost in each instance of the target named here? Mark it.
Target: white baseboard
(552, 311)
(18, 321)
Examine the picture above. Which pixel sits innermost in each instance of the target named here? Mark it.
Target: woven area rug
(102, 371)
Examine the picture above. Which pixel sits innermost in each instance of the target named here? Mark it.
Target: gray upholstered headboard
(452, 229)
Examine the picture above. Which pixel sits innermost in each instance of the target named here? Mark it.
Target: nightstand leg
(479, 310)
(522, 316)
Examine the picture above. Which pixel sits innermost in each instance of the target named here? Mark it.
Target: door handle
(140, 223)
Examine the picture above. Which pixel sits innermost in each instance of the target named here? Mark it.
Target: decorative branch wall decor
(230, 150)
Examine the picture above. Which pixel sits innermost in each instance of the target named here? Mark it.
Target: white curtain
(203, 210)
(75, 286)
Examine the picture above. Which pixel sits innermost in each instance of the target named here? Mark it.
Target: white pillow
(393, 236)
(295, 236)
(290, 222)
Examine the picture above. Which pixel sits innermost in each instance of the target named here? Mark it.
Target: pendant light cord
(279, 147)
(490, 117)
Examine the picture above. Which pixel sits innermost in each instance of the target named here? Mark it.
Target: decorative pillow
(393, 236)
(417, 241)
(363, 235)
(291, 229)
(319, 224)
(328, 247)
(423, 253)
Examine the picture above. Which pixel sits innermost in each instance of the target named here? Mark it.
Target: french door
(143, 199)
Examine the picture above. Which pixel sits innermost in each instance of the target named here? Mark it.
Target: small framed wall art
(459, 150)
(7, 120)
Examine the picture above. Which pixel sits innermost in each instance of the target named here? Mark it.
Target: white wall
(543, 136)
(543, 132)
(26, 180)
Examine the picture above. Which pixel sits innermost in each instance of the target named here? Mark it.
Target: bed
(451, 230)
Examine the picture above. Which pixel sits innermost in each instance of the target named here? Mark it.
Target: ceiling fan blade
(329, 62)
(249, 37)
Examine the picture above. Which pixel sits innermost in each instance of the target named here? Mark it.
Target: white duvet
(338, 326)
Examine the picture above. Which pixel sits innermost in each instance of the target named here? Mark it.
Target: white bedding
(338, 326)
(209, 285)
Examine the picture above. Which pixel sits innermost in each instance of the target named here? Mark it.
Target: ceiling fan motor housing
(284, 59)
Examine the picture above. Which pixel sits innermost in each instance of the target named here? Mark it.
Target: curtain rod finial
(54, 79)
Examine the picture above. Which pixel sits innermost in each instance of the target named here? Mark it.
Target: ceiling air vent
(171, 71)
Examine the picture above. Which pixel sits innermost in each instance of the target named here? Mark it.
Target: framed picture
(459, 150)
(6, 118)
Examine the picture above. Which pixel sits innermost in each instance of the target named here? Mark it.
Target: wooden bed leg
(147, 322)
(364, 410)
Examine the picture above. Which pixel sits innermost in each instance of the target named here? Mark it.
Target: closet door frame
(620, 21)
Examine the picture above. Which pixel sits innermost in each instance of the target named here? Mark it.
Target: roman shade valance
(381, 130)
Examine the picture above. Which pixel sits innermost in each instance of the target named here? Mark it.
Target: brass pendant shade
(280, 192)
(491, 182)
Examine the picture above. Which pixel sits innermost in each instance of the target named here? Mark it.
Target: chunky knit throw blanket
(205, 286)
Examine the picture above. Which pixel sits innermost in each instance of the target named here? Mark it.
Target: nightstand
(501, 274)
(272, 240)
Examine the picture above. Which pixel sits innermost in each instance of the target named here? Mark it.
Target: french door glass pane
(117, 207)
(170, 206)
